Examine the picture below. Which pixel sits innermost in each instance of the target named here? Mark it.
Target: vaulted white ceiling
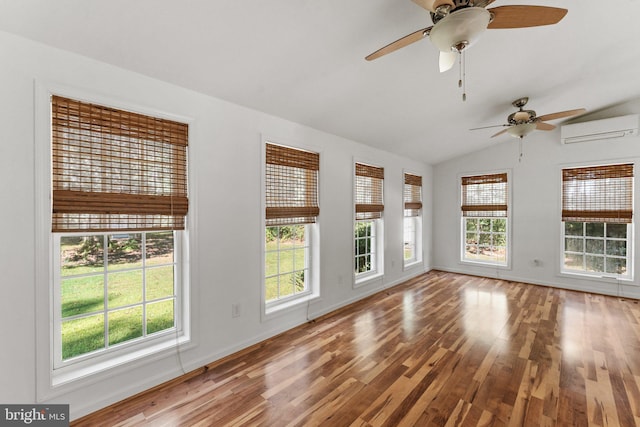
(303, 60)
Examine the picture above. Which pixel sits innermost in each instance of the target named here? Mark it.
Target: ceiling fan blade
(446, 61)
(400, 43)
(544, 126)
(500, 133)
(520, 16)
(431, 5)
(487, 127)
(561, 114)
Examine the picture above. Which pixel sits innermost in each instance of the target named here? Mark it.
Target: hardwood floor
(443, 349)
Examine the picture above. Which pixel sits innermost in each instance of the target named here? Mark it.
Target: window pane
(287, 239)
(124, 288)
(297, 234)
(499, 253)
(160, 316)
(124, 251)
(594, 246)
(471, 251)
(81, 254)
(573, 228)
(82, 295)
(159, 282)
(500, 239)
(617, 231)
(271, 288)
(617, 247)
(595, 229)
(299, 259)
(485, 239)
(471, 224)
(573, 261)
(485, 224)
(616, 265)
(82, 336)
(271, 261)
(499, 225)
(472, 238)
(125, 325)
(287, 282)
(594, 263)
(159, 248)
(573, 244)
(299, 285)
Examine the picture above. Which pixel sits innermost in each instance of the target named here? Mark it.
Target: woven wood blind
(484, 195)
(116, 170)
(291, 185)
(598, 194)
(412, 195)
(369, 183)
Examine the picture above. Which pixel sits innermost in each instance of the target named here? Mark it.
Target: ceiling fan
(523, 122)
(457, 24)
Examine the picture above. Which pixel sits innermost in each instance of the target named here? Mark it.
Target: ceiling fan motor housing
(522, 116)
(459, 29)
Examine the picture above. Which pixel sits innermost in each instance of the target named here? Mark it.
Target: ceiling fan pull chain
(520, 156)
(461, 80)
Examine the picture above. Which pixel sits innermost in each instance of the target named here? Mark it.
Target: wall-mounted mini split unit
(598, 130)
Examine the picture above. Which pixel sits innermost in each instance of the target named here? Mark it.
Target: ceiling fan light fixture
(521, 130)
(460, 29)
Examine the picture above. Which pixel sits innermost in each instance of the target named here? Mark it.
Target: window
(369, 206)
(412, 219)
(597, 213)
(114, 288)
(485, 219)
(291, 194)
(119, 186)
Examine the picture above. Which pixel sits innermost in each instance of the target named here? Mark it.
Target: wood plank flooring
(440, 350)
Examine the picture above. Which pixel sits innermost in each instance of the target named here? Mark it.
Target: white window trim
(461, 235)
(631, 239)
(364, 279)
(600, 275)
(274, 304)
(277, 308)
(52, 382)
(137, 346)
(418, 222)
(418, 243)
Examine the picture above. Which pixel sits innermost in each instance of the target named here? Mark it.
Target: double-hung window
(412, 232)
(368, 234)
(119, 206)
(597, 215)
(291, 200)
(485, 219)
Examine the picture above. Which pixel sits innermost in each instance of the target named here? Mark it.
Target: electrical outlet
(235, 310)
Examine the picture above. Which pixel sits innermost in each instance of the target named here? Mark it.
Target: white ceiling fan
(523, 122)
(457, 24)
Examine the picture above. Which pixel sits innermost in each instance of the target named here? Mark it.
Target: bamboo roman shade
(369, 198)
(484, 195)
(291, 180)
(412, 195)
(116, 170)
(598, 194)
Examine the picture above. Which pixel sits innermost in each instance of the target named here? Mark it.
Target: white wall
(535, 213)
(225, 160)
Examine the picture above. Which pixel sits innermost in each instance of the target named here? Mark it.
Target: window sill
(628, 281)
(72, 373)
(485, 264)
(412, 265)
(289, 305)
(367, 280)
